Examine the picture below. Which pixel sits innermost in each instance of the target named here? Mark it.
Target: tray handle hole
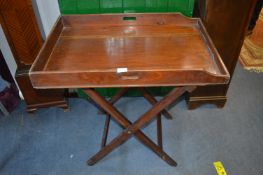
(129, 18)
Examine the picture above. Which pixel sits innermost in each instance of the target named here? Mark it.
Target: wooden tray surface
(127, 50)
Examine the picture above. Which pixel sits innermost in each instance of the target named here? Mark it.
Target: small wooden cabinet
(18, 21)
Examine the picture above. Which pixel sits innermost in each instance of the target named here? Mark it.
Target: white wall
(49, 12)
(8, 55)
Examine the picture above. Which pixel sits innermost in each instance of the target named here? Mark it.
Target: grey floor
(52, 141)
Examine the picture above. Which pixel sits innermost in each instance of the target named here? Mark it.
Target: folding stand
(134, 128)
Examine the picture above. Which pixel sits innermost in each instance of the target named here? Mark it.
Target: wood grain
(18, 21)
(226, 23)
(156, 49)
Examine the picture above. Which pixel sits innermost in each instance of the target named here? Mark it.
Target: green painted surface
(156, 5)
(91, 6)
(126, 6)
(111, 6)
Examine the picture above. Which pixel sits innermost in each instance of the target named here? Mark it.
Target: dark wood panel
(19, 24)
(39, 98)
(226, 22)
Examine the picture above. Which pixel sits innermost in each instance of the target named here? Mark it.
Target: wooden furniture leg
(125, 123)
(105, 131)
(135, 127)
(159, 131)
(120, 94)
(153, 101)
(147, 95)
(113, 100)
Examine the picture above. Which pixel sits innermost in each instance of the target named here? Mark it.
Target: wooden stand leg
(135, 127)
(95, 105)
(120, 94)
(113, 100)
(105, 131)
(116, 97)
(153, 101)
(159, 131)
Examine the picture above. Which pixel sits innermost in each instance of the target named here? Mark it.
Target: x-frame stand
(134, 128)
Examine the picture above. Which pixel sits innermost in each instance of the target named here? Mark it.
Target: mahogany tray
(128, 50)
